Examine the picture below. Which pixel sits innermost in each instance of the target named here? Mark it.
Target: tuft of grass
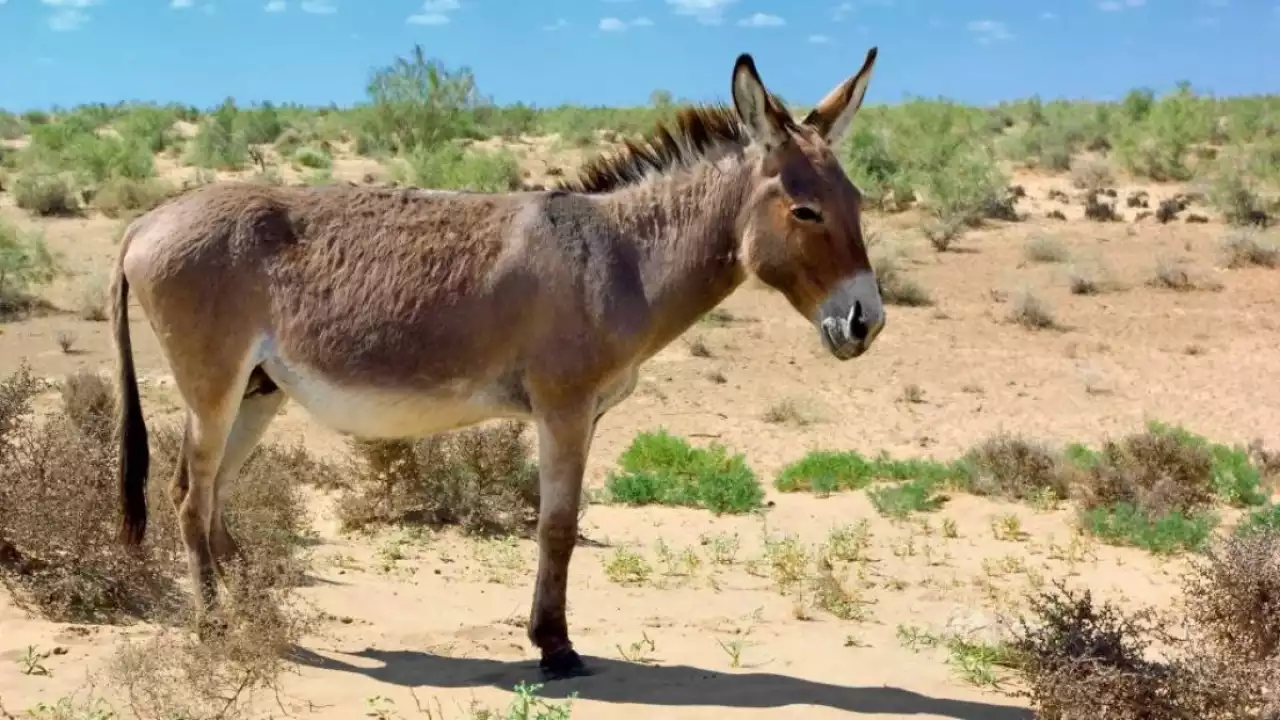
(896, 286)
(664, 469)
(827, 471)
(1032, 312)
(1244, 248)
(1045, 249)
(913, 496)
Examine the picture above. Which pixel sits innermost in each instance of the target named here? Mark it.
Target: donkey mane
(696, 132)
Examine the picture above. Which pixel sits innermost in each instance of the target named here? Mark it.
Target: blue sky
(617, 51)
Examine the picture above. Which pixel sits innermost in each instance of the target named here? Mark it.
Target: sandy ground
(443, 617)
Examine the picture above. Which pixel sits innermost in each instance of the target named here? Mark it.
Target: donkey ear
(754, 105)
(833, 115)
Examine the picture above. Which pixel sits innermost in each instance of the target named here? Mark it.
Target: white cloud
(434, 12)
(428, 19)
(559, 24)
(707, 12)
(761, 20)
(1118, 5)
(181, 4)
(613, 24)
(67, 20)
(318, 7)
(989, 31)
(275, 6)
(819, 39)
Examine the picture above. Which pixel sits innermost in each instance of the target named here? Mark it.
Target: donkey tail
(135, 456)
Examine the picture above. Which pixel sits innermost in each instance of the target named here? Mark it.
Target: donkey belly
(390, 412)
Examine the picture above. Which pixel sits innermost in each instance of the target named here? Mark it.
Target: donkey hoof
(562, 665)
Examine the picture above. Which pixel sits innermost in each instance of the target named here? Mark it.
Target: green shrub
(449, 167)
(313, 157)
(25, 261)
(45, 194)
(659, 468)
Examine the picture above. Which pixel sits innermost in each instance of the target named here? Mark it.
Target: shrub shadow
(620, 682)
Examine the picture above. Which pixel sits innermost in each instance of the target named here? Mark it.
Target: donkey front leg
(564, 437)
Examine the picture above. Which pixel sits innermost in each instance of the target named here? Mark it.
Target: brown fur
(401, 313)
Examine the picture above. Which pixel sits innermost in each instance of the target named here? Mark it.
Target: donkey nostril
(857, 323)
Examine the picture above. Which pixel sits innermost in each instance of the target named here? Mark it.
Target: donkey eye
(804, 213)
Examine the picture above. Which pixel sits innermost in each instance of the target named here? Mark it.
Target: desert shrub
(1154, 489)
(1030, 311)
(417, 103)
(45, 194)
(259, 126)
(896, 286)
(1091, 174)
(121, 196)
(11, 126)
(309, 156)
(480, 479)
(149, 126)
(1016, 468)
(826, 471)
(59, 517)
(1244, 248)
(899, 500)
(451, 167)
(1045, 249)
(25, 261)
(1233, 194)
(1080, 660)
(94, 159)
(220, 144)
(89, 403)
(1233, 596)
(663, 469)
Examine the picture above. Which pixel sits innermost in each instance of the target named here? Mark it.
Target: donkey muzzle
(852, 316)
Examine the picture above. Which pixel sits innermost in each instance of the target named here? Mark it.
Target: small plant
(627, 567)
(1045, 249)
(66, 341)
(899, 501)
(659, 468)
(1249, 249)
(1031, 312)
(32, 662)
(639, 651)
(786, 412)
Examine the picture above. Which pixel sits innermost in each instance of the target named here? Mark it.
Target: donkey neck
(684, 228)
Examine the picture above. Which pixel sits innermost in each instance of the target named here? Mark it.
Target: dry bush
(1031, 312)
(1233, 597)
(896, 286)
(1045, 249)
(1091, 174)
(1081, 661)
(1245, 249)
(59, 515)
(1156, 472)
(1012, 467)
(172, 674)
(480, 479)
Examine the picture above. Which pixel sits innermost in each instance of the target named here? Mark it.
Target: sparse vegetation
(944, 167)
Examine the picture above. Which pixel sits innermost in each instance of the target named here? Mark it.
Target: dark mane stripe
(696, 132)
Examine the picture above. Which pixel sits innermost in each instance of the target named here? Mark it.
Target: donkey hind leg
(204, 445)
(564, 439)
(258, 407)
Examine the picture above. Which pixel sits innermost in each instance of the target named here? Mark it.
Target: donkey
(398, 313)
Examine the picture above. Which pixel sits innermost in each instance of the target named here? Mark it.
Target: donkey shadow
(615, 681)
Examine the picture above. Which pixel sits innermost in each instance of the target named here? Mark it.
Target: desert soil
(443, 616)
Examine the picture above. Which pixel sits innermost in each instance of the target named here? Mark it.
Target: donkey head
(801, 228)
